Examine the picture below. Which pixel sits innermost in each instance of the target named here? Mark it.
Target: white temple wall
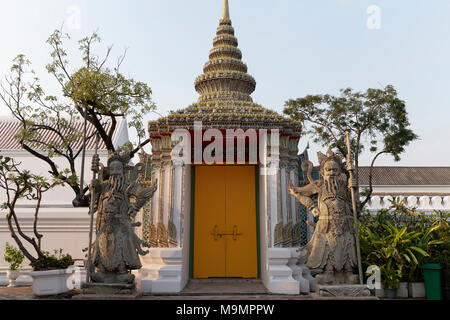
(424, 189)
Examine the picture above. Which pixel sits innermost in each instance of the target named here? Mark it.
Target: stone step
(220, 286)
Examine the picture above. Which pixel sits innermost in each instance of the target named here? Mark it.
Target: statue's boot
(98, 277)
(125, 278)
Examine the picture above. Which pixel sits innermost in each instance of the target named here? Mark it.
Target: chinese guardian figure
(332, 247)
(117, 201)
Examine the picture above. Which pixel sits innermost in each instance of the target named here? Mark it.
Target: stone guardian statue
(332, 246)
(118, 198)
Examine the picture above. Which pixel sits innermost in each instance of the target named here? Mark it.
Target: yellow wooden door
(209, 255)
(225, 243)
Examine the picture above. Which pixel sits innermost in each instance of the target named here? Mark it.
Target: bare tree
(94, 92)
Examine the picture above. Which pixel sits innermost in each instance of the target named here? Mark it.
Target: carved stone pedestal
(108, 291)
(343, 290)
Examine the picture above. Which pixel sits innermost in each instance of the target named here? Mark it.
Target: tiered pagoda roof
(225, 90)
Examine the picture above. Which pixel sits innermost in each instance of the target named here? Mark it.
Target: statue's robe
(333, 241)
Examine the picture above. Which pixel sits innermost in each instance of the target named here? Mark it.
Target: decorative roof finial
(225, 76)
(225, 10)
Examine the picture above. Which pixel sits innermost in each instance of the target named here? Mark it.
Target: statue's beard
(332, 184)
(116, 183)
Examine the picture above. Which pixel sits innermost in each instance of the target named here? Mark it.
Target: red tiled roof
(9, 127)
(405, 175)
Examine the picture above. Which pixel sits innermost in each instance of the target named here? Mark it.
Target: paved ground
(18, 293)
(251, 297)
(26, 293)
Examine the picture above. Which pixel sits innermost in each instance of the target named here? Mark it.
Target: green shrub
(13, 256)
(440, 252)
(58, 260)
(399, 240)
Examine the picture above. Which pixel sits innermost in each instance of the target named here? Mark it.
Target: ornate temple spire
(225, 10)
(225, 102)
(225, 76)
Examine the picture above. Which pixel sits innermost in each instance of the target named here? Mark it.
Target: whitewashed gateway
(222, 214)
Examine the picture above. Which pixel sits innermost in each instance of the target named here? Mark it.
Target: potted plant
(380, 246)
(51, 274)
(15, 258)
(386, 242)
(21, 184)
(416, 284)
(428, 239)
(391, 274)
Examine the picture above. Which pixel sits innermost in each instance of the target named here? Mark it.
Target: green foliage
(57, 260)
(440, 250)
(26, 184)
(373, 116)
(17, 184)
(13, 256)
(93, 90)
(101, 90)
(399, 240)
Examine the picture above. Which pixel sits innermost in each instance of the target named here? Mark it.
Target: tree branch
(141, 145)
(370, 179)
(36, 212)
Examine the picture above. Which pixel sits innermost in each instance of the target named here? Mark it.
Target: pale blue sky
(292, 48)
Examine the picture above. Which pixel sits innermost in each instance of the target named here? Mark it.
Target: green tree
(17, 183)
(91, 90)
(376, 120)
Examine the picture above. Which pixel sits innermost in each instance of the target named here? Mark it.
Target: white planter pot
(52, 282)
(379, 293)
(416, 289)
(12, 275)
(402, 291)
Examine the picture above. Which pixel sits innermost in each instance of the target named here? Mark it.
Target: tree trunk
(16, 238)
(36, 212)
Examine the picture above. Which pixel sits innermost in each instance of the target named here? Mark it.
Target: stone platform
(108, 291)
(343, 290)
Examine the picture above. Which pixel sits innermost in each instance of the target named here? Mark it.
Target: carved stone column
(156, 199)
(285, 202)
(175, 218)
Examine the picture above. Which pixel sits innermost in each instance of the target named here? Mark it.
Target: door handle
(216, 234)
(236, 233)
